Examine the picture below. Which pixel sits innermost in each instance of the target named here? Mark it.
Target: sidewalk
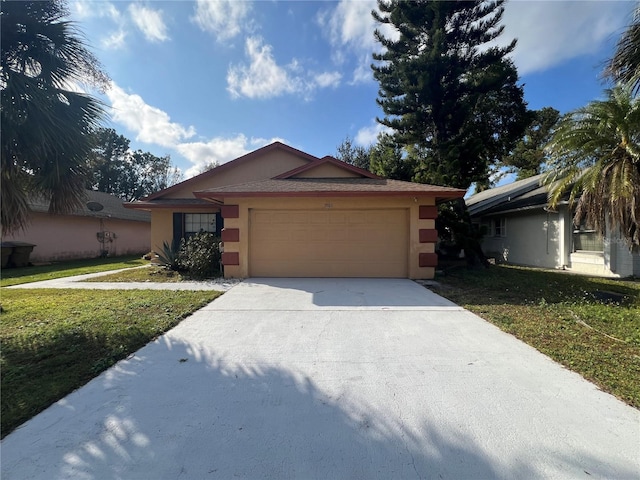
(78, 281)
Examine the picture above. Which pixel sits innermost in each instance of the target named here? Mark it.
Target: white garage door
(328, 243)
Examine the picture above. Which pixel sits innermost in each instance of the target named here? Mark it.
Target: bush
(200, 255)
(170, 255)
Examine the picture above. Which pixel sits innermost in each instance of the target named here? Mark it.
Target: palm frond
(595, 164)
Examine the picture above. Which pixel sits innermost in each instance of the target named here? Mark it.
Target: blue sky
(207, 81)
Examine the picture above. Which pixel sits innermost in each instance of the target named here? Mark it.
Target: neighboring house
(284, 213)
(88, 232)
(520, 229)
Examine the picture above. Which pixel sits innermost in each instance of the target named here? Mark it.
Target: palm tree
(624, 67)
(595, 158)
(45, 120)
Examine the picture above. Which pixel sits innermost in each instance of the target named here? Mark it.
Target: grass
(151, 274)
(54, 341)
(561, 316)
(16, 276)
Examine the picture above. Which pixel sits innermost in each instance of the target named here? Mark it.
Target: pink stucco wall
(59, 237)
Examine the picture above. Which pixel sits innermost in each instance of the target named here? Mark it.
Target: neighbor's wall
(62, 237)
(621, 261)
(532, 238)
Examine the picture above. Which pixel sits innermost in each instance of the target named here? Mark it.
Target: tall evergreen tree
(444, 91)
(529, 157)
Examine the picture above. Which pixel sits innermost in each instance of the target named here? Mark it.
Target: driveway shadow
(312, 293)
(177, 410)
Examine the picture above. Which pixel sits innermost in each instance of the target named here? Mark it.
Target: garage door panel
(334, 243)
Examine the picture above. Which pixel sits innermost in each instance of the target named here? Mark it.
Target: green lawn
(54, 341)
(153, 274)
(563, 316)
(16, 276)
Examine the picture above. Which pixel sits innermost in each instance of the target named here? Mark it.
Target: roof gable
(197, 182)
(327, 167)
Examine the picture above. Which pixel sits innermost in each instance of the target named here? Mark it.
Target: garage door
(328, 243)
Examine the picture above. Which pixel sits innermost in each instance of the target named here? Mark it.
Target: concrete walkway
(331, 379)
(78, 281)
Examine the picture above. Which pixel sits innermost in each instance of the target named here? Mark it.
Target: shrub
(169, 256)
(200, 255)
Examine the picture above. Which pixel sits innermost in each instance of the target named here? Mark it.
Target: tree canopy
(451, 99)
(46, 121)
(595, 161)
(353, 154)
(112, 167)
(529, 157)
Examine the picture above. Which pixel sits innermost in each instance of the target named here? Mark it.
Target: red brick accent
(427, 235)
(230, 235)
(230, 258)
(230, 211)
(427, 211)
(428, 259)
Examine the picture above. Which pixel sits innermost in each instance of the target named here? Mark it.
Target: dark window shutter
(219, 224)
(178, 227)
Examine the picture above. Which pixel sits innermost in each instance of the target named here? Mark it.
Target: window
(199, 222)
(586, 239)
(499, 227)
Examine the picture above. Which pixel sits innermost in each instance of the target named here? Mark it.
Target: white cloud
(83, 9)
(224, 18)
(263, 78)
(349, 27)
(369, 135)
(328, 79)
(149, 22)
(218, 150)
(150, 124)
(550, 33)
(114, 41)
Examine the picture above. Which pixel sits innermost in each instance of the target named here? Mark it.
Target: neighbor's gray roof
(520, 194)
(113, 208)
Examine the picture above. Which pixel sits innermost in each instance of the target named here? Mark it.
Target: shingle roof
(527, 192)
(112, 207)
(168, 203)
(329, 187)
(275, 146)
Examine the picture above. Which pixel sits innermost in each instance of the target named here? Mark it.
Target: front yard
(590, 325)
(54, 341)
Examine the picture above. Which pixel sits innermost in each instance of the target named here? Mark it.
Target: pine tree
(445, 92)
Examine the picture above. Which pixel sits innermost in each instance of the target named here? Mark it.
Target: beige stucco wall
(267, 165)
(414, 248)
(60, 237)
(162, 224)
(327, 170)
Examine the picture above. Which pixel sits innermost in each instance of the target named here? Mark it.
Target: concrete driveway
(331, 379)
